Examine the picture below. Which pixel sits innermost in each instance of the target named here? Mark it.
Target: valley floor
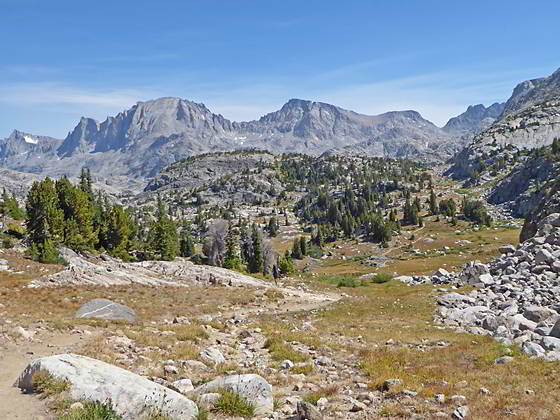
(346, 343)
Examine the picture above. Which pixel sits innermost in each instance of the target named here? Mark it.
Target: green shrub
(382, 278)
(7, 243)
(349, 282)
(45, 253)
(231, 403)
(16, 230)
(341, 280)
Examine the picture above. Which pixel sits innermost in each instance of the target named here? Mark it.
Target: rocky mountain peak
(533, 92)
(474, 120)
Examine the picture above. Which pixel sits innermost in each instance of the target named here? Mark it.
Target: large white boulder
(106, 309)
(131, 395)
(253, 388)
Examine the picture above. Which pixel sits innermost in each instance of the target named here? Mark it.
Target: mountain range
(139, 142)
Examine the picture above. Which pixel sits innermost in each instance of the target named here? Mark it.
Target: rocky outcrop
(543, 213)
(517, 299)
(240, 177)
(526, 185)
(532, 128)
(107, 271)
(132, 396)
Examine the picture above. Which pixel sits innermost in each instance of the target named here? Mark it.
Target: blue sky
(64, 59)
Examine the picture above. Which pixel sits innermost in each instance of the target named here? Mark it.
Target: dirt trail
(14, 357)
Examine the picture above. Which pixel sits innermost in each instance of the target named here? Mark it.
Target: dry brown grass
(404, 314)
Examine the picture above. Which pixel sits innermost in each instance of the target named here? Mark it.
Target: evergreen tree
(303, 246)
(246, 244)
(10, 206)
(85, 182)
(78, 215)
(273, 227)
(44, 221)
(296, 249)
(186, 245)
(318, 238)
(231, 260)
(256, 259)
(164, 241)
(433, 202)
(410, 213)
(121, 230)
(286, 264)
(448, 207)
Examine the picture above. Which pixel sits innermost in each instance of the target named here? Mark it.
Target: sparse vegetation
(326, 392)
(47, 385)
(232, 404)
(96, 411)
(382, 278)
(280, 350)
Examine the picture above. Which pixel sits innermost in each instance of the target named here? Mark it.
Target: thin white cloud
(55, 93)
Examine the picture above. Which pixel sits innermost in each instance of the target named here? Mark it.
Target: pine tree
(318, 239)
(296, 249)
(164, 240)
(78, 215)
(246, 244)
(256, 259)
(231, 260)
(286, 264)
(85, 182)
(273, 227)
(303, 246)
(121, 230)
(10, 206)
(44, 221)
(433, 202)
(186, 245)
